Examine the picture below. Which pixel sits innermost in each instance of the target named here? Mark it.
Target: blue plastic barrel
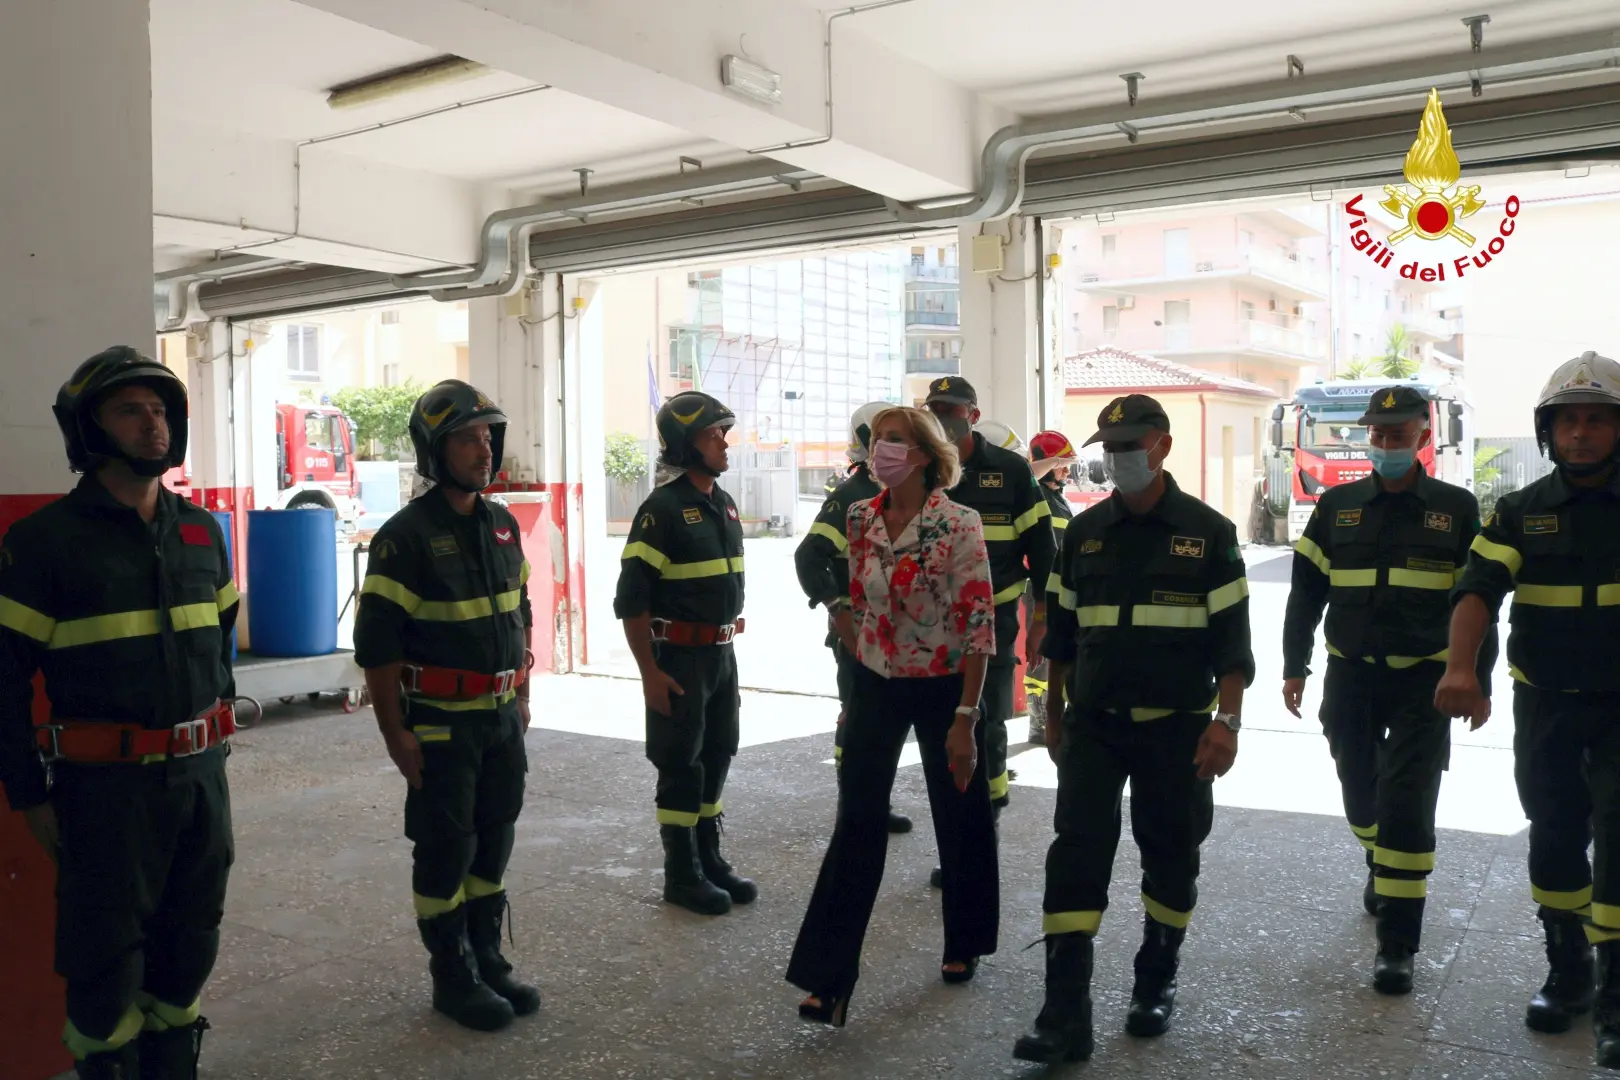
(292, 581)
(224, 519)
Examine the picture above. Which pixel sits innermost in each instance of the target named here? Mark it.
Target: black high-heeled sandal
(969, 966)
(829, 1009)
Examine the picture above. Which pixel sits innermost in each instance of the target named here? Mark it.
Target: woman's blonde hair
(944, 468)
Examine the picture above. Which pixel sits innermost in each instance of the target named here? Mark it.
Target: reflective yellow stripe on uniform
(1366, 835)
(1059, 523)
(1395, 661)
(1313, 551)
(1002, 533)
(1068, 598)
(676, 817)
(1606, 916)
(1224, 597)
(1401, 888)
(1507, 556)
(1096, 615)
(523, 575)
(1608, 595)
(389, 589)
(1562, 901)
(1403, 578)
(478, 607)
(1353, 579)
(1403, 860)
(1168, 916)
(1170, 615)
(225, 597)
(678, 571)
(1071, 922)
(1561, 596)
(647, 554)
(1011, 592)
(828, 532)
(1055, 583)
(1026, 521)
(129, 624)
(25, 620)
(998, 786)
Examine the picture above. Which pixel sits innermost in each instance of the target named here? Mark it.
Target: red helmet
(1050, 444)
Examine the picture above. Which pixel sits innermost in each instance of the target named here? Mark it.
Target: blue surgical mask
(1129, 471)
(1392, 464)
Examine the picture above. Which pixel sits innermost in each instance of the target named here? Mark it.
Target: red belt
(92, 742)
(453, 684)
(675, 632)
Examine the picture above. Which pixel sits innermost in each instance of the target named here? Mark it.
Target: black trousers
(997, 707)
(826, 957)
(1566, 763)
(1171, 815)
(140, 889)
(1390, 746)
(846, 691)
(462, 819)
(692, 747)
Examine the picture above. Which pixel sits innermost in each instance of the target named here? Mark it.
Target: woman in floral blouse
(923, 627)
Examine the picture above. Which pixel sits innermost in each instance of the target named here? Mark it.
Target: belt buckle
(660, 630)
(504, 681)
(55, 752)
(410, 677)
(725, 634)
(195, 735)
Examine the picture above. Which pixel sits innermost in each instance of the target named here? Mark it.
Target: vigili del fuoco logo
(1432, 206)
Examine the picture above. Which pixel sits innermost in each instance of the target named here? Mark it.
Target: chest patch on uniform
(692, 515)
(1439, 522)
(1179, 599)
(1090, 547)
(990, 480)
(1434, 565)
(1347, 517)
(1191, 547)
(444, 545)
(1541, 523)
(996, 519)
(731, 512)
(195, 535)
(505, 536)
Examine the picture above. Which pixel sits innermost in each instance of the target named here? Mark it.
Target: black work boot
(120, 1064)
(172, 1054)
(898, 822)
(458, 990)
(1153, 998)
(1606, 1006)
(1567, 993)
(1062, 1031)
(1400, 929)
(484, 917)
(684, 883)
(1392, 968)
(1369, 894)
(715, 867)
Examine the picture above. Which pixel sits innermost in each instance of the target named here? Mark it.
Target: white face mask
(1129, 470)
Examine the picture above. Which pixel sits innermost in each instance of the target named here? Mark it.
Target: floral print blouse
(922, 603)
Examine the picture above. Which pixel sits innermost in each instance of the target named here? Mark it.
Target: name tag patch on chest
(990, 480)
(444, 545)
(1191, 547)
(1432, 565)
(1179, 599)
(996, 519)
(196, 535)
(505, 536)
(1439, 522)
(1541, 523)
(1091, 547)
(692, 515)
(1347, 517)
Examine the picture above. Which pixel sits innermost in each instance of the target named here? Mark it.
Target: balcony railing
(915, 272)
(949, 365)
(1277, 267)
(933, 318)
(1254, 336)
(1427, 324)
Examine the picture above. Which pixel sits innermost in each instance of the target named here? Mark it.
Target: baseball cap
(953, 390)
(1396, 405)
(1128, 418)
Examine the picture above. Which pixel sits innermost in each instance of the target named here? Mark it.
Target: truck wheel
(308, 501)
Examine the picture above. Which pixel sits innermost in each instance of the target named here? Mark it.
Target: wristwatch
(1230, 720)
(969, 711)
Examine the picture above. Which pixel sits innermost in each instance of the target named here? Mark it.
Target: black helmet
(450, 405)
(76, 403)
(680, 419)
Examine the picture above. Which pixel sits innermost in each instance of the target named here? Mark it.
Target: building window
(1355, 346)
(1387, 300)
(390, 317)
(1110, 317)
(1246, 310)
(1110, 244)
(304, 352)
(390, 374)
(1355, 288)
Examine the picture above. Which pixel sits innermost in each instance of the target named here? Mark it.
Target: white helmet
(860, 429)
(999, 434)
(1587, 379)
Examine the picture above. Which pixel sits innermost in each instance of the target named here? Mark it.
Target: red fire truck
(315, 461)
(1319, 429)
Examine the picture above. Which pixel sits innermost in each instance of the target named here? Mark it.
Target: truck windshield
(1333, 428)
(318, 431)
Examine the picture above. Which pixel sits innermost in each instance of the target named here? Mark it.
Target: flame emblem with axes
(1432, 168)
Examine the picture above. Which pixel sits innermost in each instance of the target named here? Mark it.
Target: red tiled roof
(1109, 368)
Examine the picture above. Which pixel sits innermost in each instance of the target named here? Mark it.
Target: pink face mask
(891, 463)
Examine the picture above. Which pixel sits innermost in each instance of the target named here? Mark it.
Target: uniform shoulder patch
(646, 521)
(991, 480)
(1540, 523)
(731, 512)
(1091, 547)
(1437, 521)
(692, 515)
(1348, 517)
(196, 535)
(832, 508)
(1190, 547)
(505, 534)
(444, 545)
(382, 549)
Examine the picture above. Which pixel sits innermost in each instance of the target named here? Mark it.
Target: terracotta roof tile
(1109, 368)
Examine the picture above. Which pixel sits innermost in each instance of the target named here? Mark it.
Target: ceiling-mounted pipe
(1001, 187)
(503, 251)
(174, 292)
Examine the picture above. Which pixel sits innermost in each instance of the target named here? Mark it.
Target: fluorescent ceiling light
(374, 88)
(751, 80)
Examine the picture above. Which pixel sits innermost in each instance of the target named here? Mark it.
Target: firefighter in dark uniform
(1555, 545)
(1148, 635)
(680, 596)
(443, 632)
(1051, 456)
(1381, 555)
(998, 484)
(120, 593)
(822, 563)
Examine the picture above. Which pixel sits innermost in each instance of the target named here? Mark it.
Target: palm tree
(1357, 368)
(1395, 363)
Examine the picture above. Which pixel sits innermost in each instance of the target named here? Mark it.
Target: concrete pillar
(1001, 353)
(76, 215)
